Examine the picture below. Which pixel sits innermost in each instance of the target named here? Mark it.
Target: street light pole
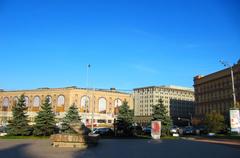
(93, 107)
(234, 112)
(232, 78)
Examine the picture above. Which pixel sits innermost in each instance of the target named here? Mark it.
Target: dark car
(147, 130)
(137, 130)
(104, 131)
(188, 130)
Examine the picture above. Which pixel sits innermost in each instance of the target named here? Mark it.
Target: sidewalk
(233, 142)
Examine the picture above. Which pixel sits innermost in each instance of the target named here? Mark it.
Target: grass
(24, 137)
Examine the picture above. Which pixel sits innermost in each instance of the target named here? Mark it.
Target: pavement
(230, 142)
(118, 148)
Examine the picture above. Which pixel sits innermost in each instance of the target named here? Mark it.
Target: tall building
(104, 103)
(213, 92)
(179, 102)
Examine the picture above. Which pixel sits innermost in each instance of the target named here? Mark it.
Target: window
(117, 103)
(60, 100)
(26, 101)
(85, 102)
(5, 102)
(102, 105)
(15, 100)
(50, 99)
(36, 101)
(101, 121)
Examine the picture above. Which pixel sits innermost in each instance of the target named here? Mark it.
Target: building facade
(179, 102)
(103, 103)
(213, 92)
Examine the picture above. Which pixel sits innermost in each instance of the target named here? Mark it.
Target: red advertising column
(156, 129)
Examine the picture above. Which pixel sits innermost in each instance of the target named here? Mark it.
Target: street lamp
(234, 112)
(232, 77)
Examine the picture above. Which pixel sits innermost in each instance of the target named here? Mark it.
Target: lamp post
(93, 107)
(234, 112)
(93, 100)
(232, 78)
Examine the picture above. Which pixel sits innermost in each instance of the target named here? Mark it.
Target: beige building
(213, 92)
(178, 100)
(104, 103)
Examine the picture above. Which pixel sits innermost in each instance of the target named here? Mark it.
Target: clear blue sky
(48, 43)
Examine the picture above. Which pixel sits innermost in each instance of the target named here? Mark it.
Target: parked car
(188, 130)
(3, 129)
(147, 130)
(202, 129)
(104, 131)
(137, 130)
(174, 129)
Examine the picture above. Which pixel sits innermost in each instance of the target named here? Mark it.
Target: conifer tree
(160, 113)
(19, 126)
(45, 120)
(72, 116)
(125, 114)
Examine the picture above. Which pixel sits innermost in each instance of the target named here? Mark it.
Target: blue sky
(129, 43)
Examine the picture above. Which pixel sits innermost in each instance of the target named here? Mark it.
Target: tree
(72, 116)
(214, 122)
(124, 120)
(125, 114)
(45, 120)
(19, 124)
(160, 113)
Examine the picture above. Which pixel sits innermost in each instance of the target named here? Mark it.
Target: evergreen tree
(72, 116)
(45, 120)
(160, 113)
(125, 114)
(214, 122)
(19, 124)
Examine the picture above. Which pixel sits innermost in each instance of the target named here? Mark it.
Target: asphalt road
(118, 148)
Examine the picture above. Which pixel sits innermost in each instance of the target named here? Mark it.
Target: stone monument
(81, 139)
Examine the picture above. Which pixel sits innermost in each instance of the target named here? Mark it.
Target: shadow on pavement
(17, 151)
(141, 148)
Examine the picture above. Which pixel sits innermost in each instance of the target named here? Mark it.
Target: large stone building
(178, 100)
(213, 92)
(104, 103)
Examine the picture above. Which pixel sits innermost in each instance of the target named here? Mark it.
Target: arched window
(85, 101)
(60, 100)
(117, 103)
(15, 100)
(5, 102)
(50, 99)
(26, 101)
(36, 101)
(102, 105)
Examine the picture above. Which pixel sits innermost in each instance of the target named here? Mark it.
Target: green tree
(45, 120)
(72, 116)
(214, 122)
(160, 113)
(125, 114)
(19, 124)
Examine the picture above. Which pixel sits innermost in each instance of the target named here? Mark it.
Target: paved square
(118, 148)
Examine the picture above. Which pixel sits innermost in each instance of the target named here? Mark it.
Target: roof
(168, 87)
(66, 88)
